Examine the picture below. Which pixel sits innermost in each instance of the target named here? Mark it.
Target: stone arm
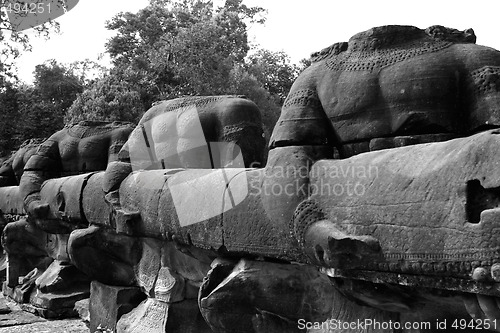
(303, 122)
(481, 87)
(43, 165)
(302, 135)
(119, 166)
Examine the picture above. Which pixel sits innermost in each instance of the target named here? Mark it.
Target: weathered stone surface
(94, 207)
(105, 255)
(150, 316)
(169, 286)
(185, 316)
(21, 290)
(109, 303)
(154, 316)
(82, 307)
(11, 202)
(389, 81)
(453, 174)
(398, 196)
(424, 211)
(408, 140)
(231, 300)
(12, 168)
(60, 276)
(55, 305)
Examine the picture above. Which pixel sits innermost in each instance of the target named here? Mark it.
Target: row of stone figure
(169, 221)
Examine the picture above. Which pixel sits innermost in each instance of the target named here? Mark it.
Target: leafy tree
(57, 84)
(9, 118)
(274, 70)
(37, 110)
(107, 99)
(244, 83)
(13, 43)
(87, 71)
(185, 47)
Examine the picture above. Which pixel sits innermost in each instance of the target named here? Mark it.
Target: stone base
(19, 294)
(109, 303)
(47, 305)
(185, 316)
(154, 316)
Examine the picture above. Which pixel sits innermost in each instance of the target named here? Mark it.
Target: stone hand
(333, 248)
(38, 209)
(484, 308)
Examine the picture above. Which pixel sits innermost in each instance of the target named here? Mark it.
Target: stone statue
(337, 225)
(12, 168)
(38, 239)
(387, 87)
(79, 148)
(207, 133)
(354, 98)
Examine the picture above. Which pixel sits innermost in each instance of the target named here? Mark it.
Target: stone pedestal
(48, 305)
(154, 316)
(109, 303)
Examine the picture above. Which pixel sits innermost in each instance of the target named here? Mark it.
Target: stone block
(109, 303)
(60, 276)
(56, 305)
(82, 307)
(154, 316)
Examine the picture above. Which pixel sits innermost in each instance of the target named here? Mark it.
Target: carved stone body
(76, 149)
(40, 239)
(392, 81)
(12, 169)
(412, 223)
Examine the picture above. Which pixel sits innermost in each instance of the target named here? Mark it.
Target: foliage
(274, 70)
(174, 48)
(107, 99)
(244, 83)
(182, 47)
(13, 43)
(29, 111)
(8, 118)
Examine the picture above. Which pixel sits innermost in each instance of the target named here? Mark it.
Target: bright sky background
(296, 27)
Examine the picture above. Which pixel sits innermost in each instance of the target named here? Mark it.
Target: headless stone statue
(12, 169)
(180, 133)
(41, 237)
(387, 87)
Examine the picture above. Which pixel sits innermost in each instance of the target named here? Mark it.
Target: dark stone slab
(56, 305)
(109, 303)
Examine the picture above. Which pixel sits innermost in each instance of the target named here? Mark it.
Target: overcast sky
(296, 27)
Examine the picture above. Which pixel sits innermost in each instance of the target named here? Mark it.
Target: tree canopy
(37, 110)
(170, 48)
(174, 48)
(13, 43)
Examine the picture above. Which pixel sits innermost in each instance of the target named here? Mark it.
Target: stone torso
(90, 146)
(393, 81)
(177, 133)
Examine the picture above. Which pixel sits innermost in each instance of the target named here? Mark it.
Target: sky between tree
(294, 26)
